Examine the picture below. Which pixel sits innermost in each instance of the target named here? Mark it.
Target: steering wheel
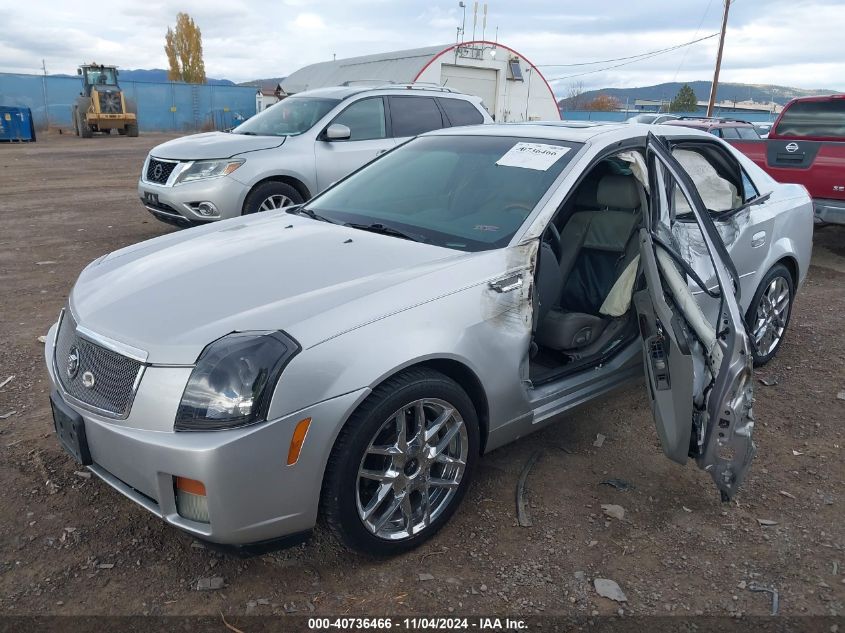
(552, 236)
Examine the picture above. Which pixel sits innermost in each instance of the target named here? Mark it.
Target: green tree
(684, 101)
(183, 46)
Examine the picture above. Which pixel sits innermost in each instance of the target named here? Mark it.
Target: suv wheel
(769, 312)
(402, 463)
(271, 195)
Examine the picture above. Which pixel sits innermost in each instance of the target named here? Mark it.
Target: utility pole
(715, 86)
(44, 94)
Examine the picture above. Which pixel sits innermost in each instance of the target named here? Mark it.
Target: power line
(633, 59)
(697, 30)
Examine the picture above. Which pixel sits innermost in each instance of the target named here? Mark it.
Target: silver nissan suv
(294, 149)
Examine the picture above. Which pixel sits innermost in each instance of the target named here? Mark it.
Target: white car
(286, 154)
(654, 118)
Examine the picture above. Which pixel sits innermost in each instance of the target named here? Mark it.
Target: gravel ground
(69, 544)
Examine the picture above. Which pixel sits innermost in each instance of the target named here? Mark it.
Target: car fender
(488, 332)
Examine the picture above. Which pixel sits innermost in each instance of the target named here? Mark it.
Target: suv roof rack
(376, 84)
(720, 119)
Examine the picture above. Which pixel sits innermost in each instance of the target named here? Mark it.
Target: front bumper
(253, 496)
(829, 211)
(177, 204)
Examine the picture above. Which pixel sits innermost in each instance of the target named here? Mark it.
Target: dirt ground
(71, 545)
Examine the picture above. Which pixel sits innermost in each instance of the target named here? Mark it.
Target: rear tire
(271, 195)
(132, 130)
(379, 493)
(769, 313)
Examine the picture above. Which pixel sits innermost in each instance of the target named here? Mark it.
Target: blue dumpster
(16, 125)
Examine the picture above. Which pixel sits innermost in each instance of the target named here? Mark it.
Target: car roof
(344, 92)
(703, 123)
(571, 131)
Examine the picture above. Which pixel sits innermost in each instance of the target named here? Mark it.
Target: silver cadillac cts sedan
(355, 356)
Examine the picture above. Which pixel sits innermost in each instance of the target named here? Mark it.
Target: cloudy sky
(788, 42)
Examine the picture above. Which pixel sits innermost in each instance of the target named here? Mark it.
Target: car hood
(214, 145)
(173, 295)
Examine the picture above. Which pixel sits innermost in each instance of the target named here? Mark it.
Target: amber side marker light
(297, 440)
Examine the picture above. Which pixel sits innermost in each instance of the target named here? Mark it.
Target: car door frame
(388, 140)
(744, 239)
(721, 417)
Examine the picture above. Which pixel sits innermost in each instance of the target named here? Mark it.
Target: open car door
(699, 373)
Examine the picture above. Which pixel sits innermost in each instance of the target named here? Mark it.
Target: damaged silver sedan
(355, 356)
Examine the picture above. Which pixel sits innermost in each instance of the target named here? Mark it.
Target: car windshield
(469, 193)
(289, 117)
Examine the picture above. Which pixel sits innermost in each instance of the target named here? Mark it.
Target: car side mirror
(338, 132)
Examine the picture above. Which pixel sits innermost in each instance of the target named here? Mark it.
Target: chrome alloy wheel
(411, 469)
(772, 316)
(276, 201)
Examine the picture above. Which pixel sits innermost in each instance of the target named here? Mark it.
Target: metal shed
(511, 87)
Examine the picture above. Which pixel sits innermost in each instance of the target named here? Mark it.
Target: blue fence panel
(171, 106)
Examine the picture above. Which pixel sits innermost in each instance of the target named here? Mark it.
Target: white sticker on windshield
(532, 156)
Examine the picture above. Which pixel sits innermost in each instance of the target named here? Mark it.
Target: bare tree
(574, 95)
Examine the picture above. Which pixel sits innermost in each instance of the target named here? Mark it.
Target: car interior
(588, 262)
(587, 266)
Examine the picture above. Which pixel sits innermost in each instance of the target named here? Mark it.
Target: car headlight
(203, 169)
(233, 381)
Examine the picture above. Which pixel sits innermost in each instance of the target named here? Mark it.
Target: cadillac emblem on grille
(158, 171)
(72, 363)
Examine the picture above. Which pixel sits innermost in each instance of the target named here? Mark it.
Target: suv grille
(114, 375)
(158, 171)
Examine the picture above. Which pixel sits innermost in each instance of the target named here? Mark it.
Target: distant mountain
(156, 75)
(760, 93)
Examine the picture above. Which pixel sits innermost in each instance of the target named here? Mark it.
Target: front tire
(402, 464)
(132, 130)
(85, 130)
(769, 313)
(272, 195)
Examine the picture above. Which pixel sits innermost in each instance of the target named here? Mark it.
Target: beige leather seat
(598, 247)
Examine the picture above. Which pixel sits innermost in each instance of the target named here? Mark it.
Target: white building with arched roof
(511, 87)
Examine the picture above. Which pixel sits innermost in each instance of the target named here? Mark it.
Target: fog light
(191, 502)
(207, 209)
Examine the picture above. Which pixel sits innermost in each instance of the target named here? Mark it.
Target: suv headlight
(203, 169)
(233, 381)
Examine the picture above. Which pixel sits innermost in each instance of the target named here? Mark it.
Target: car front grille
(98, 377)
(158, 171)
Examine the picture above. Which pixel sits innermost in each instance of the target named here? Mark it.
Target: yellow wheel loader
(102, 106)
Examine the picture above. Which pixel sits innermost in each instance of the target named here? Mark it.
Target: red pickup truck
(807, 146)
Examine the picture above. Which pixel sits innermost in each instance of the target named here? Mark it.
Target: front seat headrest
(618, 192)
